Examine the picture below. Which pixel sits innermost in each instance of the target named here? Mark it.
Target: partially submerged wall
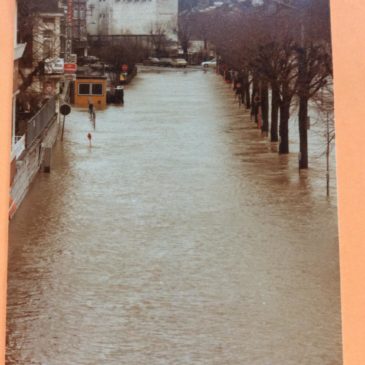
(29, 164)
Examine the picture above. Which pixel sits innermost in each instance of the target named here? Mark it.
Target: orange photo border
(7, 11)
(348, 29)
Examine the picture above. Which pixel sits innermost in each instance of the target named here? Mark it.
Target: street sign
(70, 68)
(54, 66)
(68, 50)
(65, 109)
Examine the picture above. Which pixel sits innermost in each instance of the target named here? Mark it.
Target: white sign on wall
(54, 66)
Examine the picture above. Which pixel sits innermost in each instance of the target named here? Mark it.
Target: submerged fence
(40, 121)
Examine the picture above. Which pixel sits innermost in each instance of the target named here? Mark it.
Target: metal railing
(40, 121)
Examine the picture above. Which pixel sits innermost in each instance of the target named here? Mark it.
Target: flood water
(181, 237)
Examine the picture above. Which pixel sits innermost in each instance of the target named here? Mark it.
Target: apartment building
(134, 17)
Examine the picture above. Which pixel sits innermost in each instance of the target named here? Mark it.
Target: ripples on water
(180, 238)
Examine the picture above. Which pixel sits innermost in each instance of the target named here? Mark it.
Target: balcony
(18, 146)
(19, 50)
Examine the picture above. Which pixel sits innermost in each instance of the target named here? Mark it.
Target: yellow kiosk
(90, 89)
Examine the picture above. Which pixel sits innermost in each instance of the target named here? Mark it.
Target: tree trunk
(284, 122)
(303, 109)
(241, 93)
(185, 50)
(246, 87)
(254, 104)
(265, 107)
(303, 132)
(275, 99)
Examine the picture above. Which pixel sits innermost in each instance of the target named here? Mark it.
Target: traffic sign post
(65, 109)
(70, 65)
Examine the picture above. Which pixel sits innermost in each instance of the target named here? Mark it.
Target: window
(97, 89)
(90, 89)
(48, 20)
(82, 13)
(47, 43)
(75, 31)
(84, 89)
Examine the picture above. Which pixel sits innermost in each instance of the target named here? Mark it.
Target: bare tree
(158, 33)
(115, 55)
(314, 64)
(184, 31)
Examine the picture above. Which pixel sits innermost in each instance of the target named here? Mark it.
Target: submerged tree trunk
(254, 103)
(284, 128)
(303, 109)
(303, 132)
(284, 121)
(265, 107)
(275, 100)
(246, 87)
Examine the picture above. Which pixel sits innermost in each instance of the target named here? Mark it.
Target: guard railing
(40, 121)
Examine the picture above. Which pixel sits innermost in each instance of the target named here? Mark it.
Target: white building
(136, 17)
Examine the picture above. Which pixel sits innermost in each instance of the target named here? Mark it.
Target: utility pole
(63, 127)
(68, 48)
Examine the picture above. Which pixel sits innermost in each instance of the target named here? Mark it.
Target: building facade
(35, 89)
(17, 141)
(79, 27)
(135, 17)
(18, 53)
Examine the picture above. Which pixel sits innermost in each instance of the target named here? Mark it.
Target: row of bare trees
(127, 51)
(282, 53)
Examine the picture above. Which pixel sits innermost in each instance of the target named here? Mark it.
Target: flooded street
(180, 237)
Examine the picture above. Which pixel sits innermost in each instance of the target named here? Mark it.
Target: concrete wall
(135, 17)
(167, 13)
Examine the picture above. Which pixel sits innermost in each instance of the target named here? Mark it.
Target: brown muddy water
(179, 238)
